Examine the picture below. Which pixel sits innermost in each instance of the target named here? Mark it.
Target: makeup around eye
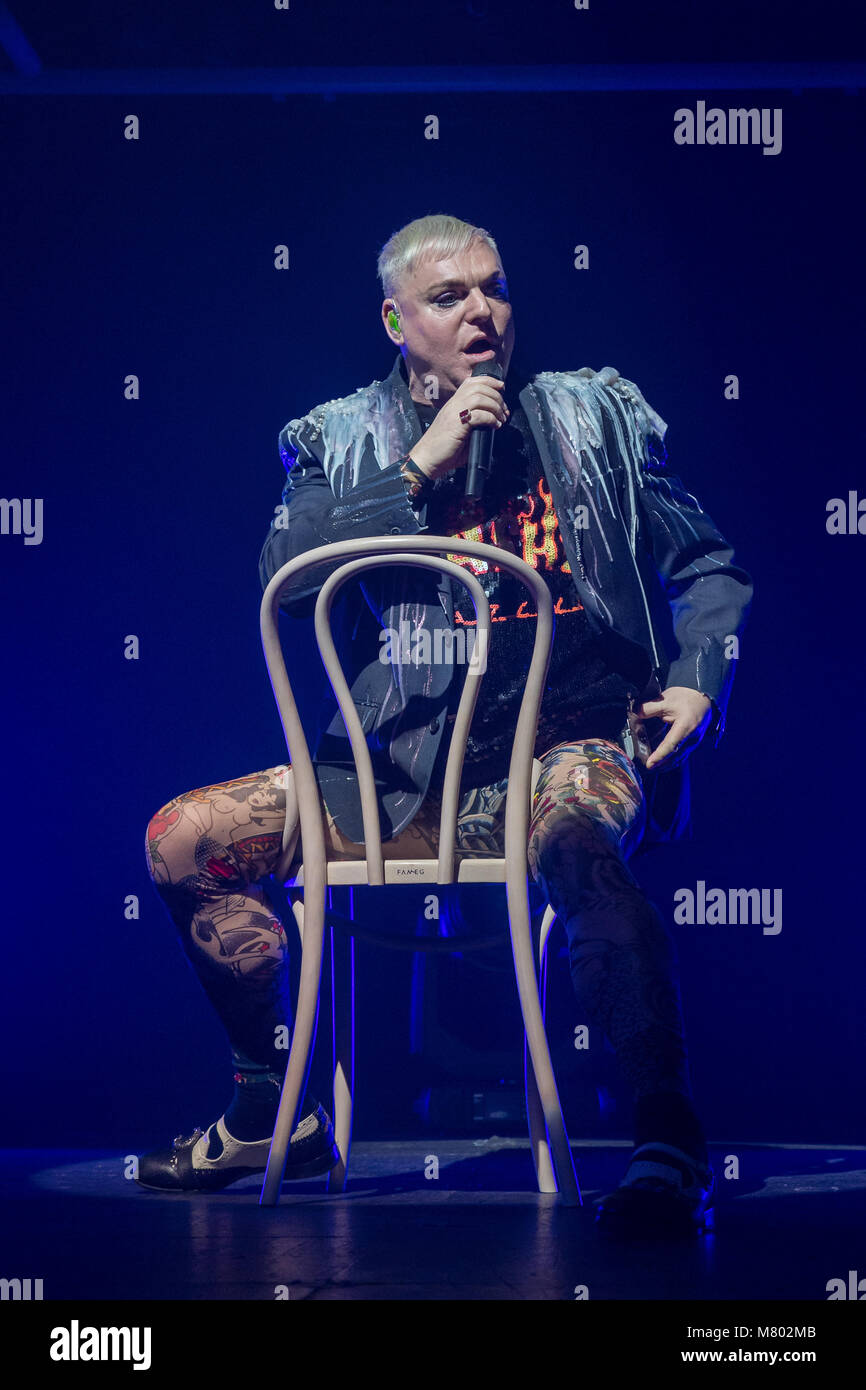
(449, 294)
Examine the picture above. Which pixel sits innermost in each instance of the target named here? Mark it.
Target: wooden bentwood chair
(552, 1157)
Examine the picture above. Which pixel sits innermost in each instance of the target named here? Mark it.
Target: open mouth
(480, 348)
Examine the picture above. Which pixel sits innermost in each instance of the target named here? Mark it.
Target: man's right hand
(445, 446)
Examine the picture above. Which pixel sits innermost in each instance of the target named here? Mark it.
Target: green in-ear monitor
(393, 321)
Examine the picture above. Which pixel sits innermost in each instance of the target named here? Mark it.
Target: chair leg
(538, 1140)
(298, 914)
(343, 1015)
(533, 1023)
(312, 926)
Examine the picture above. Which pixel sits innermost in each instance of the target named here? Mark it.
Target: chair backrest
(424, 552)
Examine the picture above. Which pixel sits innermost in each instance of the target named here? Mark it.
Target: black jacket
(626, 523)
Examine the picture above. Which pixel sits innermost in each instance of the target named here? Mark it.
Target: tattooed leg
(480, 828)
(205, 851)
(480, 831)
(588, 815)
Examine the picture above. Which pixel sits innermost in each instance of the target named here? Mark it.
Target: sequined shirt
(582, 697)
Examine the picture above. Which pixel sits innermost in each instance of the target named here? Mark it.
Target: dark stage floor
(793, 1220)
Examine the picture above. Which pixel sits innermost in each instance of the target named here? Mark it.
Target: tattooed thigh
(480, 828)
(594, 776)
(480, 820)
(222, 837)
(217, 839)
(592, 784)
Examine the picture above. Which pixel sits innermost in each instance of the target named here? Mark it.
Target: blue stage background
(155, 257)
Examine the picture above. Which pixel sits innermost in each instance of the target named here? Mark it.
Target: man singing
(579, 489)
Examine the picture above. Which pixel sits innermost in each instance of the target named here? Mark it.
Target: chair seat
(470, 870)
(354, 871)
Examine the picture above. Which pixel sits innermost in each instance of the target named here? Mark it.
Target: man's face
(443, 307)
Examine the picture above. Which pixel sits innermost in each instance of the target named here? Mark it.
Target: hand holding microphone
(481, 442)
(474, 412)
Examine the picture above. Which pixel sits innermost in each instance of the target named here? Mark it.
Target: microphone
(481, 441)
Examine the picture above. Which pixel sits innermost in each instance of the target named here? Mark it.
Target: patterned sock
(252, 1113)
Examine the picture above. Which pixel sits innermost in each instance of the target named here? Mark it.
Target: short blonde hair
(436, 237)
